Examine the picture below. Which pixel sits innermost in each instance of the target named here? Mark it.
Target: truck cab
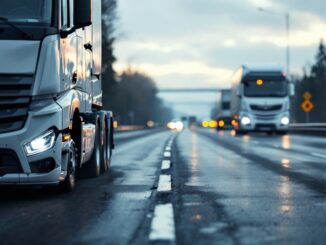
(261, 99)
(51, 117)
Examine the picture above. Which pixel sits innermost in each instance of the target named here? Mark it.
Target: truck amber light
(213, 124)
(260, 82)
(205, 124)
(221, 124)
(41, 143)
(66, 137)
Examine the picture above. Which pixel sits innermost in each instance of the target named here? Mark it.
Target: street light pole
(287, 17)
(287, 26)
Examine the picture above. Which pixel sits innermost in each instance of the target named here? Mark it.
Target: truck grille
(266, 107)
(265, 117)
(9, 163)
(15, 97)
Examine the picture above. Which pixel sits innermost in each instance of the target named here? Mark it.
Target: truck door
(68, 47)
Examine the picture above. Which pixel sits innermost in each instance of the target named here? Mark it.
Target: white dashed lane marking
(162, 227)
(167, 154)
(164, 183)
(166, 164)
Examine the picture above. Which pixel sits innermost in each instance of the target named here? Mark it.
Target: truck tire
(105, 152)
(93, 166)
(68, 185)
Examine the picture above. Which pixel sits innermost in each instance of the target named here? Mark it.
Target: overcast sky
(200, 43)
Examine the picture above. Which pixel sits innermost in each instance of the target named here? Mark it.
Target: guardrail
(308, 128)
(129, 128)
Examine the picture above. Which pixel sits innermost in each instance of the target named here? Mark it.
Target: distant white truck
(51, 117)
(260, 99)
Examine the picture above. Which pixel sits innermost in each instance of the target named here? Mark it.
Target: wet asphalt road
(226, 189)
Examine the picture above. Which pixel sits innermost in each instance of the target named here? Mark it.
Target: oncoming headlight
(285, 121)
(40, 144)
(245, 121)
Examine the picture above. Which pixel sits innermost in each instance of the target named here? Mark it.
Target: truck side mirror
(291, 89)
(82, 13)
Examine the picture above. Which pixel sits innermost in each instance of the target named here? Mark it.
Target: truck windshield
(266, 88)
(27, 12)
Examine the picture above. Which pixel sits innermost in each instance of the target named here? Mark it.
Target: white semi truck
(260, 99)
(51, 118)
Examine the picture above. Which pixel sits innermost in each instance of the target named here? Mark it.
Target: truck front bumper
(16, 168)
(265, 125)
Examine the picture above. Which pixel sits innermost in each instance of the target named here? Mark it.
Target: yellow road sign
(307, 106)
(307, 96)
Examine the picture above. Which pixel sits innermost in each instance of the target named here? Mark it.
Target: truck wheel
(69, 183)
(93, 167)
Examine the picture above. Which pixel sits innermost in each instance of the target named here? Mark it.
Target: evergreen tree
(319, 69)
(314, 83)
(108, 58)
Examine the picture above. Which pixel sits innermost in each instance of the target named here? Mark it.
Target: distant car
(225, 123)
(176, 125)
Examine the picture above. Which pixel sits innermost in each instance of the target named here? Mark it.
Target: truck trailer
(51, 119)
(260, 99)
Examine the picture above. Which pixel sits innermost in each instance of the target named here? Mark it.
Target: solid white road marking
(164, 183)
(163, 227)
(167, 154)
(166, 164)
(318, 155)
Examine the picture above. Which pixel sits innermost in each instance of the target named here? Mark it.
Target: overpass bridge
(190, 90)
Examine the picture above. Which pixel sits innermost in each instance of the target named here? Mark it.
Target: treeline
(313, 82)
(132, 96)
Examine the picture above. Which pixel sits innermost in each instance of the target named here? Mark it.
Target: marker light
(213, 124)
(260, 82)
(221, 123)
(205, 124)
(245, 121)
(41, 143)
(285, 121)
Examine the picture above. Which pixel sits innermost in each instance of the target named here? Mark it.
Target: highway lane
(252, 189)
(113, 209)
(226, 189)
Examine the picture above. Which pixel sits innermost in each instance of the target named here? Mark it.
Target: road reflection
(194, 180)
(285, 194)
(285, 163)
(286, 143)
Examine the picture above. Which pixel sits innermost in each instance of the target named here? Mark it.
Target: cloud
(204, 41)
(194, 72)
(230, 43)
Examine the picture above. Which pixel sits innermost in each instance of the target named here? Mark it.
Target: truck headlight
(245, 121)
(40, 144)
(285, 121)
